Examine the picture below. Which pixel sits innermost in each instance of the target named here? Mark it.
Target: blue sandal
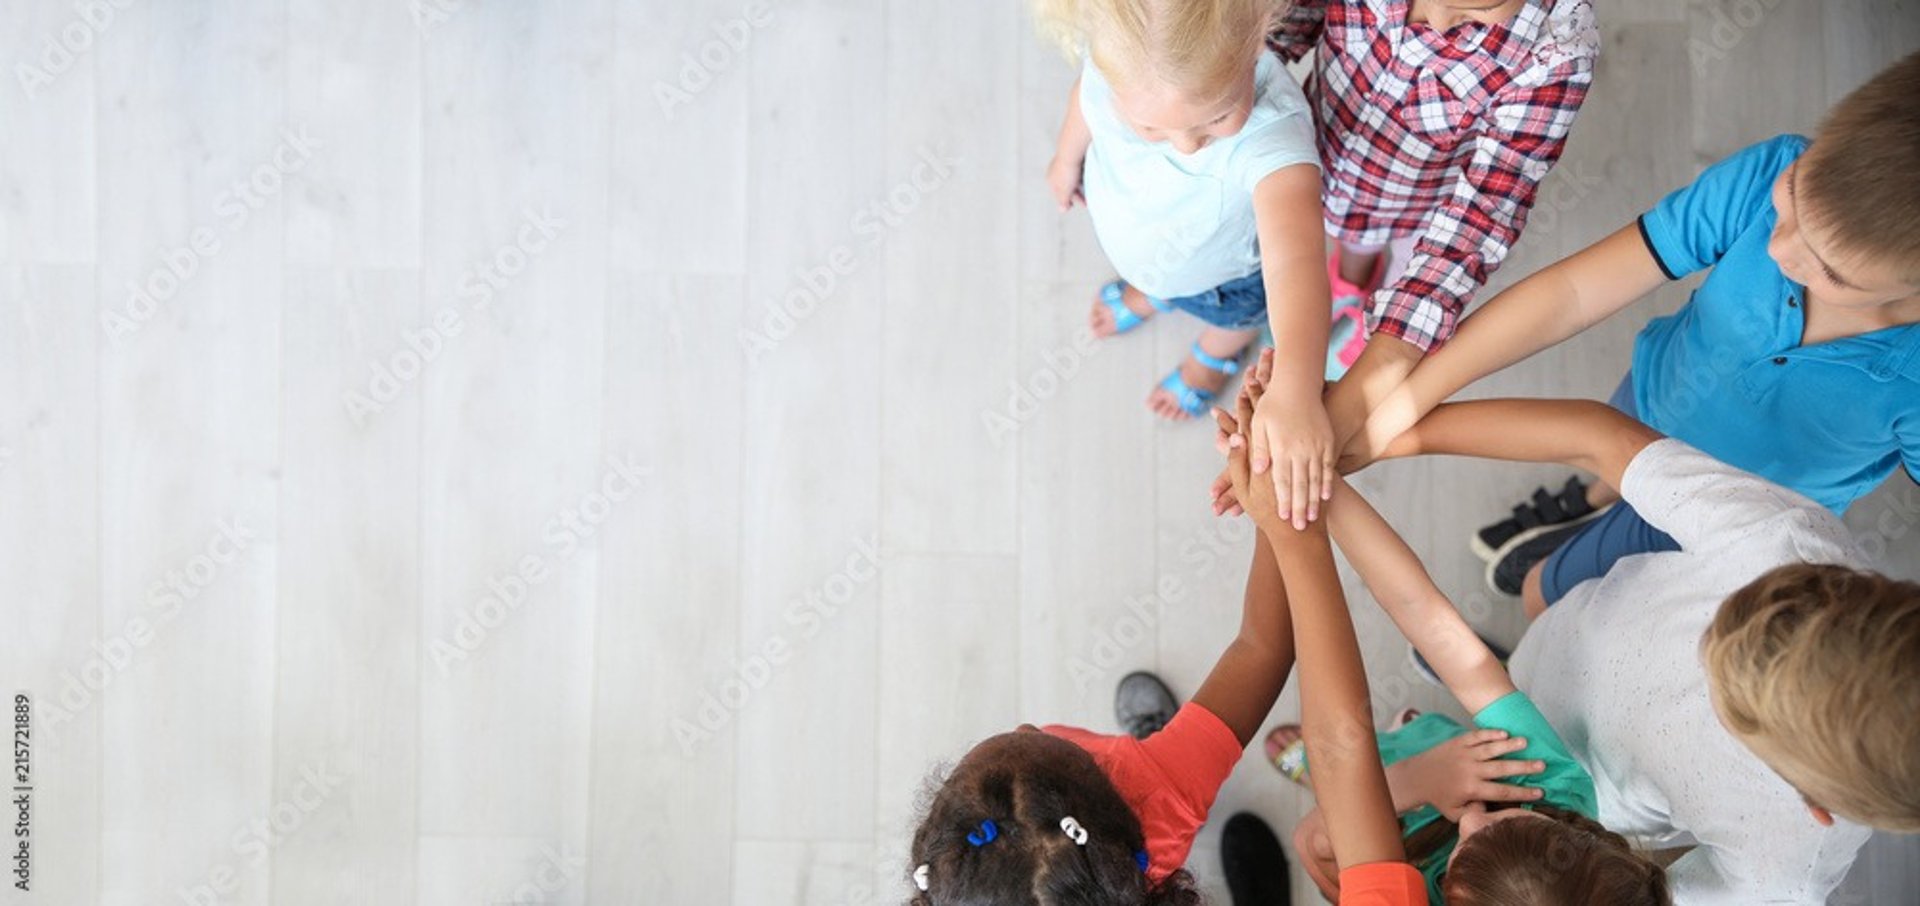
(1113, 297)
(1195, 402)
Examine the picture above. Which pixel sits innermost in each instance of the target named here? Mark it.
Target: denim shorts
(1234, 305)
(1620, 532)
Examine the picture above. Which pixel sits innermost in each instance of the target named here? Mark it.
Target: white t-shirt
(1177, 224)
(1615, 666)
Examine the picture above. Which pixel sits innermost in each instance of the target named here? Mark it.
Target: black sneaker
(1507, 574)
(1142, 704)
(1255, 865)
(1543, 513)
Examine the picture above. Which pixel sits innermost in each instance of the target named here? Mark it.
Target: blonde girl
(1193, 150)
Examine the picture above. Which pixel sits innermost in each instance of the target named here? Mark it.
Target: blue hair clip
(1140, 859)
(987, 833)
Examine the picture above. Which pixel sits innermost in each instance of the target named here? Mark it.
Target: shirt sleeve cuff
(1653, 249)
(1423, 320)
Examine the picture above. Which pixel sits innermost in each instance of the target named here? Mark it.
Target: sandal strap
(1548, 506)
(1224, 366)
(1292, 761)
(1192, 400)
(1573, 498)
(1113, 296)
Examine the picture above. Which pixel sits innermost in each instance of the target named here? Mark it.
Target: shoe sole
(1495, 556)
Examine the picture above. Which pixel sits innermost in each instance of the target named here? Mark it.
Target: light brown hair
(1566, 860)
(1816, 668)
(1858, 176)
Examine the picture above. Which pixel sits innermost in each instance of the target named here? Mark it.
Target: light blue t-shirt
(1727, 373)
(1176, 224)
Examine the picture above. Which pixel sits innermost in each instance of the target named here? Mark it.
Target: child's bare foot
(1101, 317)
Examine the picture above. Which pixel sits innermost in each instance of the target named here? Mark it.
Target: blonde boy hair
(1816, 668)
(1858, 174)
(1195, 46)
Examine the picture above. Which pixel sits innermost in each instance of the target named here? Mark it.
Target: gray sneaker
(1142, 704)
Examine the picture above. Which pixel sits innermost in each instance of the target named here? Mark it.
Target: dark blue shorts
(1234, 305)
(1601, 543)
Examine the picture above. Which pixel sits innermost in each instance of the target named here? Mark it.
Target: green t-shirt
(1567, 784)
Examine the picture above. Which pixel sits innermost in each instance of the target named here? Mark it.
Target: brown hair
(1858, 174)
(1032, 862)
(1568, 860)
(1816, 668)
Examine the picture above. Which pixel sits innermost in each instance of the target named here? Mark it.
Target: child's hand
(1467, 769)
(1063, 178)
(1255, 495)
(1293, 440)
(1254, 382)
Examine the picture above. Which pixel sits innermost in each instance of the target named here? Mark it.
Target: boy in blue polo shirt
(1798, 358)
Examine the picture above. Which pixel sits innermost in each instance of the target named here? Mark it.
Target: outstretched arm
(1400, 583)
(1581, 433)
(1534, 314)
(1292, 437)
(1336, 717)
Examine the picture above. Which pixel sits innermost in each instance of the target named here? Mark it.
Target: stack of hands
(1308, 465)
(1456, 777)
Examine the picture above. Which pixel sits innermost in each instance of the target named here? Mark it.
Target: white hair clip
(1074, 830)
(920, 878)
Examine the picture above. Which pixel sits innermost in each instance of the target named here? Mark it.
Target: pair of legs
(1589, 553)
(1230, 313)
(1234, 314)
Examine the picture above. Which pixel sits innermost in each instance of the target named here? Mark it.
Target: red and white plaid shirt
(1443, 134)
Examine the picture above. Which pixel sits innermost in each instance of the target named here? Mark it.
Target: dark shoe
(1507, 574)
(1427, 673)
(1143, 704)
(1255, 865)
(1539, 515)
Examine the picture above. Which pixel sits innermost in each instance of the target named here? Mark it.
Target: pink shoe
(1343, 288)
(1349, 337)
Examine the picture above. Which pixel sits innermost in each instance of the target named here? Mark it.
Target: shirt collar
(1523, 33)
(1509, 43)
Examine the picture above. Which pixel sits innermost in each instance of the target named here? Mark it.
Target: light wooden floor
(527, 486)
